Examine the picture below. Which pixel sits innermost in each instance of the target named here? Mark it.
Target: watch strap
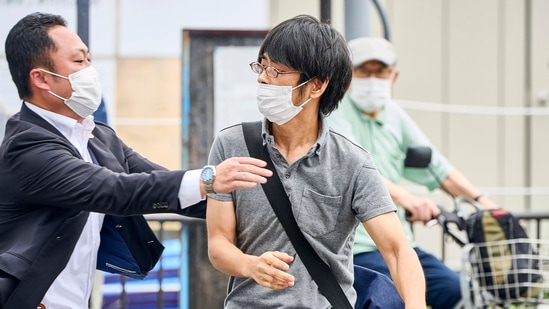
(209, 188)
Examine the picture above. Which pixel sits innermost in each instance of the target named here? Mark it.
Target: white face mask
(86, 91)
(275, 102)
(370, 94)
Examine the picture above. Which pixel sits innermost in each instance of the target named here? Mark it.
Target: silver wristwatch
(207, 177)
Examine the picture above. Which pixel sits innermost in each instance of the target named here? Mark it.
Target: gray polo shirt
(332, 188)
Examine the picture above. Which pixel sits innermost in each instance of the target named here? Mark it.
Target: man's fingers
(240, 173)
(242, 184)
(253, 173)
(253, 167)
(238, 165)
(251, 161)
(283, 256)
(272, 271)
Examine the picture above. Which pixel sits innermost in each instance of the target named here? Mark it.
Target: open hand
(270, 270)
(240, 173)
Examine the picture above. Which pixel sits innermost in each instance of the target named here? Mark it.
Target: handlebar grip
(444, 217)
(407, 214)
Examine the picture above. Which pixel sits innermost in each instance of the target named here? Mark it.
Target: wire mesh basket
(505, 274)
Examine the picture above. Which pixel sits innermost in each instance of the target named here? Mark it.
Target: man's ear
(318, 88)
(396, 73)
(37, 79)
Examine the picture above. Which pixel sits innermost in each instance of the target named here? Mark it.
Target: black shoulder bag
(319, 271)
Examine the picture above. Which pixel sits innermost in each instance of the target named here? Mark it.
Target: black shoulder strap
(320, 271)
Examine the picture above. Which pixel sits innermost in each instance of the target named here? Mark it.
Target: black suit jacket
(47, 192)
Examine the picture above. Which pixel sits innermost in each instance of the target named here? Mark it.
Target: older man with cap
(369, 116)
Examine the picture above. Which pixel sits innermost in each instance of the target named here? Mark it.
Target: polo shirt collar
(268, 138)
(380, 119)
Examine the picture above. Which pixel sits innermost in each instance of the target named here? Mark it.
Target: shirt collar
(268, 138)
(379, 119)
(64, 124)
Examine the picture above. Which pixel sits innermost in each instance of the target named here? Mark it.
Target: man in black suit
(64, 177)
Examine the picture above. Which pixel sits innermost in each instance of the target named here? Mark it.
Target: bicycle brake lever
(446, 217)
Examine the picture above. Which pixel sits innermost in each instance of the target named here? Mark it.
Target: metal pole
(83, 31)
(83, 20)
(528, 101)
(357, 18)
(326, 11)
(384, 19)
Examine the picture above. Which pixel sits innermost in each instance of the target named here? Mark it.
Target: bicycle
(483, 285)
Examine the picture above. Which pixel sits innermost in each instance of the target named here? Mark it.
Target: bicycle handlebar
(445, 217)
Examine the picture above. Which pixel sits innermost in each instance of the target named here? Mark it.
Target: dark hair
(28, 45)
(316, 50)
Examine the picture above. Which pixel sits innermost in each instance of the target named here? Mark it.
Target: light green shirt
(387, 137)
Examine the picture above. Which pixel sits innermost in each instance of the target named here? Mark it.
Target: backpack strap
(320, 271)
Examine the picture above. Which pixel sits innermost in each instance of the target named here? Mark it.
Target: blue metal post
(357, 18)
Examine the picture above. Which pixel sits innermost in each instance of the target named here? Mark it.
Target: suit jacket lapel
(28, 115)
(104, 157)
(99, 150)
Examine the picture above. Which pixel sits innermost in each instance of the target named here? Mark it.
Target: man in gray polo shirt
(304, 69)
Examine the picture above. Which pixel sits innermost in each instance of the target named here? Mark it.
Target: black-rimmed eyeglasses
(272, 72)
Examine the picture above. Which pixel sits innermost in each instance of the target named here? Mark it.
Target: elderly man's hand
(487, 203)
(420, 208)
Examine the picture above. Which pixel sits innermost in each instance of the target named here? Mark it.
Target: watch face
(207, 174)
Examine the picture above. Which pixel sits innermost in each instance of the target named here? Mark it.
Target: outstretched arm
(458, 185)
(424, 209)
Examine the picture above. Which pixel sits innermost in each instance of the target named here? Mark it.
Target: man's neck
(295, 138)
